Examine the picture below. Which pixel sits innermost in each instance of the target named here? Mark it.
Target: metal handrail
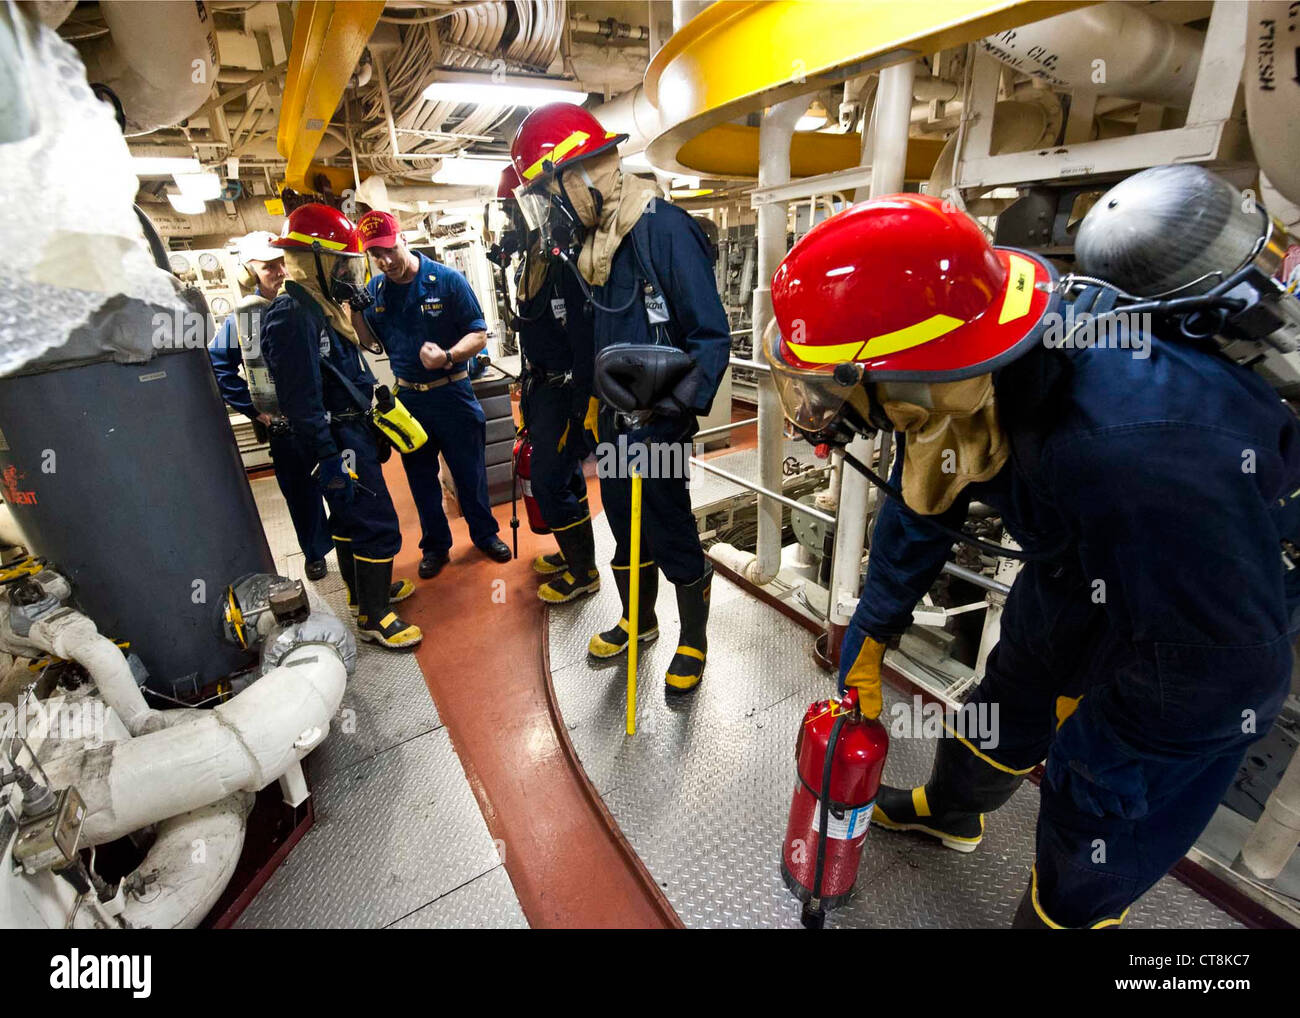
(790, 503)
(724, 427)
(979, 579)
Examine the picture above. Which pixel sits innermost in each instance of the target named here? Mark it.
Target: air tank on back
(127, 478)
(1176, 228)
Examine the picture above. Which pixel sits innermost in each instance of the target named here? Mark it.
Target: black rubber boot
(578, 546)
(951, 805)
(613, 641)
(1027, 917)
(686, 669)
(376, 622)
(400, 590)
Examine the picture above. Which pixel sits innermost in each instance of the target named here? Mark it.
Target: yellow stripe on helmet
(302, 238)
(556, 154)
(878, 346)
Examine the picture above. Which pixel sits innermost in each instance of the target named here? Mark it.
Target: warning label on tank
(852, 824)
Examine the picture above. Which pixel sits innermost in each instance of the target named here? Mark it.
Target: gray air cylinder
(127, 478)
(1168, 228)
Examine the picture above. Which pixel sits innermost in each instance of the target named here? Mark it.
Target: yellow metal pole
(633, 601)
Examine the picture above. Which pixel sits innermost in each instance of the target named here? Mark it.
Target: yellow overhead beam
(328, 37)
(740, 56)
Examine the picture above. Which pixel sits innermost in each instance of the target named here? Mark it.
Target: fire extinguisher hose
(814, 916)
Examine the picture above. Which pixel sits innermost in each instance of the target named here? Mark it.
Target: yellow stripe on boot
(549, 565)
(566, 587)
(600, 647)
(400, 591)
(682, 675)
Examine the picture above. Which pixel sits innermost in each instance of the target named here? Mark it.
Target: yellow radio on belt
(396, 422)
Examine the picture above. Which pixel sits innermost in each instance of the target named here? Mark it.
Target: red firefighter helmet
(906, 289)
(508, 182)
(555, 135)
(308, 225)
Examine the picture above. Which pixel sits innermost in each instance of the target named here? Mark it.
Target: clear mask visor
(811, 398)
(534, 206)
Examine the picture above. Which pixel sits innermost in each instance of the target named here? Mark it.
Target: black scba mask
(555, 219)
(347, 285)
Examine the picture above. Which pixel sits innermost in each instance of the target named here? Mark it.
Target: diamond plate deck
(485, 903)
(703, 789)
(393, 833)
(399, 839)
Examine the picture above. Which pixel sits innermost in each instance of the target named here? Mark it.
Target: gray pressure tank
(127, 478)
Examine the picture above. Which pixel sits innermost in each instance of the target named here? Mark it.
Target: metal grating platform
(399, 839)
(703, 789)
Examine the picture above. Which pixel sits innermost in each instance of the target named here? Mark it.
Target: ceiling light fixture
(187, 204)
(204, 186)
(470, 172)
(163, 166)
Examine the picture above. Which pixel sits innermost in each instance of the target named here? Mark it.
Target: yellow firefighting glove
(591, 421)
(864, 676)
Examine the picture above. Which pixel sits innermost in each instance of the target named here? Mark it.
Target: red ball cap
(557, 134)
(309, 225)
(909, 288)
(378, 229)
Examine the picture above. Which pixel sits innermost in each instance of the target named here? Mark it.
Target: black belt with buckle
(402, 383)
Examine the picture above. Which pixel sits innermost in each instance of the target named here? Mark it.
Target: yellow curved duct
(740, 56)
(328, 38)
(730, 151)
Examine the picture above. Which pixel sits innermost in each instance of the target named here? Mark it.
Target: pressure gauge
(179, 264)
(208, 262)
(220, 306)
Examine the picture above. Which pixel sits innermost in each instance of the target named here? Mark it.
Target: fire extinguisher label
(852, 825)
(528, 487)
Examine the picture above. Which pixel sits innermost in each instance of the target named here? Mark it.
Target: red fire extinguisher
(839, 758)
(524, 474)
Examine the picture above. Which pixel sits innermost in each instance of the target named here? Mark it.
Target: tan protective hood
(535, 271)
(623, 200)
(954, 441)
(300, 266)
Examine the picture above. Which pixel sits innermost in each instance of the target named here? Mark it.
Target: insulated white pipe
(892, 118)
(631, 113)
(69, 634)
(159, 58)
(1110, 49)
(189, 864)
(1273, 93)
(744, 563)
(775, 132)
(1273, 841)
(242, 745)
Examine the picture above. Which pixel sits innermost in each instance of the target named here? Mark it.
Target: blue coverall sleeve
(907, 555)
(290, 343)
(468, 313)
(684, 265)
(226, 359)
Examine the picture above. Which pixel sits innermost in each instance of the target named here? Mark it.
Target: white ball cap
(256, 247)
